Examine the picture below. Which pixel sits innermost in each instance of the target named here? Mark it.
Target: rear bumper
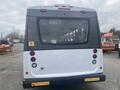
(29, 83)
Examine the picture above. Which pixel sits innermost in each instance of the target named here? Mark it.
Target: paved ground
(11, 73)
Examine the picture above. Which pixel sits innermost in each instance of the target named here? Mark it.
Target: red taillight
(94, 50)
(32, 53)
(33, 59)
(94, 56)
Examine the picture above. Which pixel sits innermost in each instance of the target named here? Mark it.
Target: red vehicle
(107, 42)
(5, 46)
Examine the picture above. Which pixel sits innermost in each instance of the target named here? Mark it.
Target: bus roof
(55, 11)
(55, 7)
(67, 8)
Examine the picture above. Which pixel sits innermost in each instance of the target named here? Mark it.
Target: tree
(13, 35)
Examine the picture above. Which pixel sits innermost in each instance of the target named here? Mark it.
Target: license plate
(92, 79)
(41, 83)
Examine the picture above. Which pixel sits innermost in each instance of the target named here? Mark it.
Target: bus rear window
(63, 31)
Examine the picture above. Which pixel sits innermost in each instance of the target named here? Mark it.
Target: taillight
(94, 61)
(32, 53)
(33, 59)
(94, 56)
(94, 50)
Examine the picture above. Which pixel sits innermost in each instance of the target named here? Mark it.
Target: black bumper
(27, 83)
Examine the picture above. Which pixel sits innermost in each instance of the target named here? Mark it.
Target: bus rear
(62, 45)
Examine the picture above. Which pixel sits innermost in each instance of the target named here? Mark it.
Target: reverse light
(94, 61)
(34, 65)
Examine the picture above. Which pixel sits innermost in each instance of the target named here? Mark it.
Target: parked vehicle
(107, 42)
(5, 46)
(62, 45)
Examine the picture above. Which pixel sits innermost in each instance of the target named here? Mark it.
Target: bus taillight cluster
(94, 56)
(33, 59)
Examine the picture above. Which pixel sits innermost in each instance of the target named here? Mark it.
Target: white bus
(62, 46)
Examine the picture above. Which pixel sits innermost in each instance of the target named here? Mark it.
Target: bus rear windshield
(63, 31)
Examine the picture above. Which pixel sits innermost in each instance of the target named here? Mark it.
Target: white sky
(13, 12)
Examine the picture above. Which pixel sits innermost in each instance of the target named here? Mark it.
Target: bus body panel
(62, 63)
(56, 60)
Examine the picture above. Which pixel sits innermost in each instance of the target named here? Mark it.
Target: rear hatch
(59, 63)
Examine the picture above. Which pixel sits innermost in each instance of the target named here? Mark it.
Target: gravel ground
(11, 73)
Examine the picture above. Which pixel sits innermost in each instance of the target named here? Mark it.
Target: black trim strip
(63, 80)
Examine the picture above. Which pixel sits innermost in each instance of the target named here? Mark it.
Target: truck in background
(107, 42)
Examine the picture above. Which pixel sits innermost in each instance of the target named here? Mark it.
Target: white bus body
(62, 44)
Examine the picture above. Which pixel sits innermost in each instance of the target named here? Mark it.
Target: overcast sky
(13, 12)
